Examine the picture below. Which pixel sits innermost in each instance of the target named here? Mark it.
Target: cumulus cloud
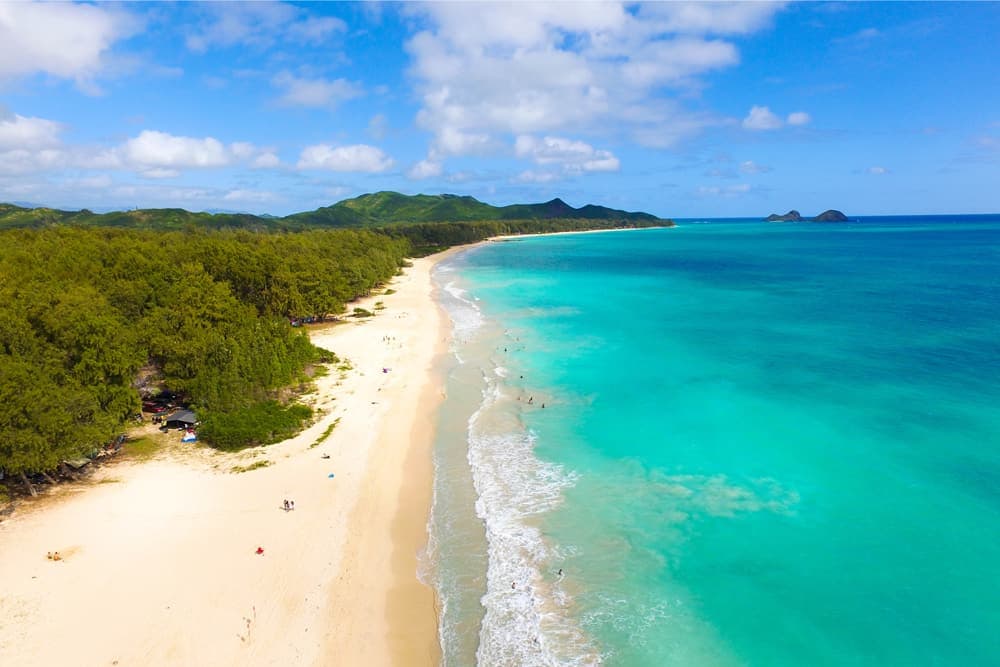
(155, 154)
(21, 132)
(266, 160)
(358, 158)
(799, 118)
(318, 93)
(571, 155)
(153, 149)
(29, 144)
(65, 40)
(425, 169)
(761, 118)
(878, 171)
(483, 71)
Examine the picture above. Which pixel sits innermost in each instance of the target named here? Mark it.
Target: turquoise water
(760, 445)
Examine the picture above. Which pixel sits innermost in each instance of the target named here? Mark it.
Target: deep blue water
(761, 444)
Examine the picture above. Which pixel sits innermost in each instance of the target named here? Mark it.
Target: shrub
(361, 312)
(260, 424)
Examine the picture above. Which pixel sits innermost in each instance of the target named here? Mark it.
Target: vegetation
(388, 208)
(207, 313)
(326, 433)
(204, 305)
(257, 424)
(256, 465)
(142, 448)
(379, 209)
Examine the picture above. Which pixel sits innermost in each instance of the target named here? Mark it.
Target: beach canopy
(181, 419)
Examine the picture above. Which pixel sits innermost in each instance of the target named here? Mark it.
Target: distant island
(831, 215)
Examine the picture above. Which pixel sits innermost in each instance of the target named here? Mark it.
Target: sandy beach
(160, 562)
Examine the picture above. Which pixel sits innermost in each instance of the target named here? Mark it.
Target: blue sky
(679, 109)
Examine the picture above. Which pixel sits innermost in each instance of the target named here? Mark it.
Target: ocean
(730, 443)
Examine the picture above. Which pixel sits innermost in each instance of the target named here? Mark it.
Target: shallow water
(760, 445)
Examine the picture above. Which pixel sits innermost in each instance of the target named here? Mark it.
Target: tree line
(84, 312)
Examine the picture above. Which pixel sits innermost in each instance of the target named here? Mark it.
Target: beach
(160, 562)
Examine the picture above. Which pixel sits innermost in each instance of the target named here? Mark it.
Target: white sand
(159, 565)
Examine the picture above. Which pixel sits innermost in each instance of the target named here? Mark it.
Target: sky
(678, 109)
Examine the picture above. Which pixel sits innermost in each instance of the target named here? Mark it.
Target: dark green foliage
(258, 424)
(83, 309)
(428, 238)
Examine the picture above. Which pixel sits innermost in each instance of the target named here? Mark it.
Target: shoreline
(511, 237)
(159, 562)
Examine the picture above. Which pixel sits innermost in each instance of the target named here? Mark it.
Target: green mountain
(390, 208)
(380, 209)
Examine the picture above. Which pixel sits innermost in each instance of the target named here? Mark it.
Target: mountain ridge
(372, 210)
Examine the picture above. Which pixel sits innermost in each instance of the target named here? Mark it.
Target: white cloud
(315, 30)
(572, 156)
(425, 169)
(301, 92)
(17, 131)
(751, 167)
(878, 171)
(155, 154)
(70, 41)
(360, 158)
(22, 161)
(266, 160)
(799, 118)
(761, 118)
(484, 71)
(158, 149)
(228, 24)
(711, 17)
(259, 25)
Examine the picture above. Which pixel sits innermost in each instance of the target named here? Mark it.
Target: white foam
(527, 624)
(464, 313)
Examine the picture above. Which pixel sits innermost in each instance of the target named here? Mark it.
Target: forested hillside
(379, 209)
(83, 310)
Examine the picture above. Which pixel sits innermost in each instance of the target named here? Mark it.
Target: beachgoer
(291, 504)
(286, 505)
(49, 555)
(260, 551)
(560, 572)
(56, 556)
(513, 585)
(531, 400)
